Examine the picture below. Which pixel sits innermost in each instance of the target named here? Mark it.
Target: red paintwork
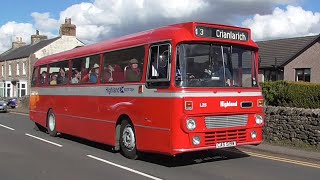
(154, 113)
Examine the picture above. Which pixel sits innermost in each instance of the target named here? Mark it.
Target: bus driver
(219, 73)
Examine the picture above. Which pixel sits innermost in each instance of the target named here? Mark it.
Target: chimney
(67, 29)
(37, 38)
(18, 43)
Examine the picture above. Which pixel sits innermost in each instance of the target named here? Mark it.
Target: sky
(99, 20)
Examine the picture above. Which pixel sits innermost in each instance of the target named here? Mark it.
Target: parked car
(12, 102)
(3, 106)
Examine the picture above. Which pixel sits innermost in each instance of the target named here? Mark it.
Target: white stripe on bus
(131, 91)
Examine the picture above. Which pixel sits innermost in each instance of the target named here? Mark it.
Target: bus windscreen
(210, 65)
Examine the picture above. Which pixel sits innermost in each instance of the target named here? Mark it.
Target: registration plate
(226, 144)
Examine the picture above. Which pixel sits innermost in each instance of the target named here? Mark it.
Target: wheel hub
(52, 122)
(128, 138)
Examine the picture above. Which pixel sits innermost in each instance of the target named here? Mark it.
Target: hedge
(292, 94)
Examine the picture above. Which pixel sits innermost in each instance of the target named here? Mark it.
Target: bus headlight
(191, 124)
(259, 119)
(253, 134)
(196, 140)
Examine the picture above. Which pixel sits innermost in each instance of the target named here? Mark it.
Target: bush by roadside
(292, 94)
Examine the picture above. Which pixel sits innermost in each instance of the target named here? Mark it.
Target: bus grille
(211, 138)
(226, 121)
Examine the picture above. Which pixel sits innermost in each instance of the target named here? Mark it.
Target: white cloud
(105, 19)
(43, 22)
(98, 20)
(11, 30)
(293, 21)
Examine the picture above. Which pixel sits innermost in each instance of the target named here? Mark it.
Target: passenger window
(43, 77)
(85, 70)
(159, 62)
(159, 65)
(123, 65)
(58, 73)
(34, 77)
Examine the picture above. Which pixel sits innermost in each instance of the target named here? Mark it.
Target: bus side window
(58, 73)
(34, 77)
(94, 68)
(43, 77)
(123, 65)
(159, 66)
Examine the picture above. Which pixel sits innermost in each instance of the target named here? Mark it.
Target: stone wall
(292, 125)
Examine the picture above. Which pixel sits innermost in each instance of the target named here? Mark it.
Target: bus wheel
(128, 140)
(51, 123)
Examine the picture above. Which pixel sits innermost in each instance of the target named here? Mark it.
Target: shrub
(292, 94)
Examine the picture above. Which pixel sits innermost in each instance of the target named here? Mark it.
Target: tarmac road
(29, 154)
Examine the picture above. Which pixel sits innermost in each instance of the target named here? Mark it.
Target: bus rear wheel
(51, 123)
(128, 140)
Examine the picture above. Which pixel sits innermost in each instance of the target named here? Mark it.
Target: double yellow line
(302, 163)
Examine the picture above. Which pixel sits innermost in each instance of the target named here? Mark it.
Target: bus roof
(176, 32)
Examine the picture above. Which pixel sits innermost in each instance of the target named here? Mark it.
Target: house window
(10, 70)
(24, 68)
(8, 89)
(2, 70)
(18, 70)
(303, 74)
(2, 84)
(22, 89)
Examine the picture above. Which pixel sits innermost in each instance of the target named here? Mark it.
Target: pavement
(266, 148)
(283, 151)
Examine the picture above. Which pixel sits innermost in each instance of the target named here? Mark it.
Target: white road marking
(7, 127)
(125, 168)
(23, 114)
(44, 140)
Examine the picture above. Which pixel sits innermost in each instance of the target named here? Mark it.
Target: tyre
(128, 146)
(51, 123)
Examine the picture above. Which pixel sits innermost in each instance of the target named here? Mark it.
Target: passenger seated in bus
(118, 75)
(43, 78)
(84, 75)
(75, 77)
(108, 73)
(94, 74)
(133, 72)
(62, 76)
(53, 79)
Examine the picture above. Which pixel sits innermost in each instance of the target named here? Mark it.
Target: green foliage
(292, 94)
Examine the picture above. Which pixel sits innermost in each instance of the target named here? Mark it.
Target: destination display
(218, 33)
